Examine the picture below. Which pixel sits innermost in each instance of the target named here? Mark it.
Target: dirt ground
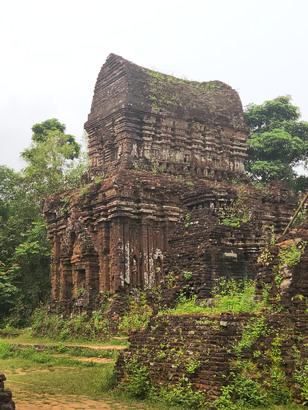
(66, 403)
(24, 401)
(60, 404)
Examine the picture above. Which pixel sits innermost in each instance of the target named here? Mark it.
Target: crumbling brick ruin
(166, 202)
(202, 349)
(207, 351)
(143, 118)
(165, 191)
(6, 402)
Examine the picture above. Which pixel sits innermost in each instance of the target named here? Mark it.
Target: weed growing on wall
(187, 274)
(138, 315)
(237, 212)
(251, 333)
(292, 255)
(229, 295)
(137, 384)
(301, 377)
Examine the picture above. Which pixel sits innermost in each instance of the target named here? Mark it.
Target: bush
(180, 394)
(229, 296)
(138, 316)
(136, 382)
(80, 326)
(6, 351)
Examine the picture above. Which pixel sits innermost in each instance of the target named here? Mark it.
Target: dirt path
(29, 401)
(67, 403)
(84, 359)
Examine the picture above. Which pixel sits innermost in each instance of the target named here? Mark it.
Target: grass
(229, 296)
(25, 336)
(40, 376)
(80, 382)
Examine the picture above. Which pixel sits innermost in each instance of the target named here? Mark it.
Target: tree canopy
(54, 163)
(278, 140)
(51, 166)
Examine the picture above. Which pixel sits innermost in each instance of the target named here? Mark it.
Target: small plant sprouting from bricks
(169, 280)
(138, 315)
(187, 220)
(85, 190)
(266, 257)
(291, 255)
(301, 377)
(66, 202)
(192, 364)
(229, 295)
(252, 332)
(237, 212)
(187, 274)
(80, 292)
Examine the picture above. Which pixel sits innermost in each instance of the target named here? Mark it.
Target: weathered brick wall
(148, 119)
(202, 348)
(130, 229)
(6, 402)
(203, 248)
(126, 229)
(283, 267)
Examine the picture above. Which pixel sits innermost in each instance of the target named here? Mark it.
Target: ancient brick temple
(163, 154)
(140, 117)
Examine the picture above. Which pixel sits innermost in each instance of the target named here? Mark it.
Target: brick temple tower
(160, 148)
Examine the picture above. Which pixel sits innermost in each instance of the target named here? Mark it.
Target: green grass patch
(20, 336)
(228, 296)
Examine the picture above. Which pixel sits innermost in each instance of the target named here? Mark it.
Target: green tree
(29, 271)
(7, 292)
(8, 183)
(50, 160)
(278, 140)
(10, 198)
(54, 163)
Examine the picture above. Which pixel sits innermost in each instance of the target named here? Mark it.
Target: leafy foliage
(255, 329)
(137, 382)
(138, 315)
(180, 394)
(83, 327)
(50, 159)
(278, 140)
(30, 270)
(292, 255)
(52, 165)
(244, 391)
(301, 377)
(229, 295)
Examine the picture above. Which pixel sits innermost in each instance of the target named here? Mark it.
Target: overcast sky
(52, 52)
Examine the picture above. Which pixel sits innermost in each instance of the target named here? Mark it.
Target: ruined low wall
(207, 349)
(6, 402)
